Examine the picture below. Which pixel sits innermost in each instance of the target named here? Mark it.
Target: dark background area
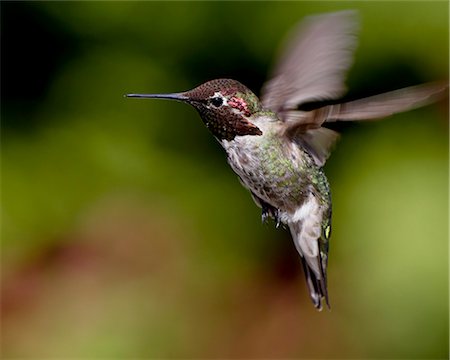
(124, 232)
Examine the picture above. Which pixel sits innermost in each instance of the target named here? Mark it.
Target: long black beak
(173, 96)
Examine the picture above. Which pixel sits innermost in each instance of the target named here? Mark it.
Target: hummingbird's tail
(310, 229)
(317, 287)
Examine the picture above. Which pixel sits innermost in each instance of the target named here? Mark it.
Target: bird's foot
(270, 212)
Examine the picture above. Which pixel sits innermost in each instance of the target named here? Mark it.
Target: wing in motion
(312, 68)
(305, 128)
(313, 63)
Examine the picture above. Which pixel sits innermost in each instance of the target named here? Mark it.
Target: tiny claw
(277, 225)
(271, 213)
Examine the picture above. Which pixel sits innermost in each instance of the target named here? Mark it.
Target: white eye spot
(217, 100)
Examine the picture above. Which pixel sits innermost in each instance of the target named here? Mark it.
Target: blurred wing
(305, 127)
(313, 63)
(383, 105)
(318, 142)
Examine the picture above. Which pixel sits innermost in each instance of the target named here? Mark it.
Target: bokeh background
(126, 235)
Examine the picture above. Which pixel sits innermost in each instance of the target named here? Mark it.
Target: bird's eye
(216, 101)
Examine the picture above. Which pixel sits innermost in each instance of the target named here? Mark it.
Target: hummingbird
(278, 148)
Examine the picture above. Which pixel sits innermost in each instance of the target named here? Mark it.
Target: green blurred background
(126, 235)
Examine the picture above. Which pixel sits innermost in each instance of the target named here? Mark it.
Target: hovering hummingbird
(278, 150)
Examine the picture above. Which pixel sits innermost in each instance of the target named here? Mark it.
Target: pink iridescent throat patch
(239, 104)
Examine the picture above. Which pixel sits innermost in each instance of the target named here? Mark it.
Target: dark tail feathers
(317, 287)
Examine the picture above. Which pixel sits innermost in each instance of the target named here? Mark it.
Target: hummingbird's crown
(223, 86)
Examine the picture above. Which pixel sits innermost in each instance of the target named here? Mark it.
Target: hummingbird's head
(226, 107)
